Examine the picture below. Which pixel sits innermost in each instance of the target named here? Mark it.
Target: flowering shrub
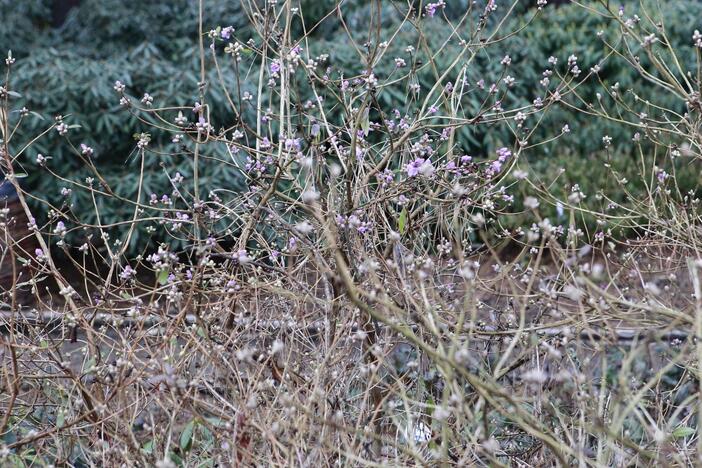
(145, 47)
(380, 290)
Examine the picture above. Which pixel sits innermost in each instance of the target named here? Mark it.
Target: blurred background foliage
(69, 59)
(70, 68)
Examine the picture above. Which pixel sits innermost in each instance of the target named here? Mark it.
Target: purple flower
(360, 153)
(243, 256)
(84, 149)
(60, 229)
(226, 33)
(413, 167)
(292, 144)
(432, 7)
(503, 154)
(420, 166)
(364, 227)
(386, 177)
(127, 273)
(275, 67)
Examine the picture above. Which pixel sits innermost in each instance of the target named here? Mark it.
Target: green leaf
(402, 221)
(186, 438)
(148, 447)
(217, 422)
(162, 277)
(683, 431)
(365, 123)
(10, 436)
(90, 365)
(175, 459)
(30, 456)
(16, 460)
(207, 435)
(431, 405)
(20, 175)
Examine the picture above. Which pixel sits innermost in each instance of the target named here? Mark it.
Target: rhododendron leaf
(683, 431)
(186, 438)
(365, 122)
(402, 221)
(162, 277)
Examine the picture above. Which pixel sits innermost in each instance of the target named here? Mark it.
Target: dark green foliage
(153, 47)
(25, 25)
(559, 32)
(565, 30)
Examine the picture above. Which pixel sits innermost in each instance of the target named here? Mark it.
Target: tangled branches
(380, 292)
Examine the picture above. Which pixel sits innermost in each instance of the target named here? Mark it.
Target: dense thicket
(152, 47)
